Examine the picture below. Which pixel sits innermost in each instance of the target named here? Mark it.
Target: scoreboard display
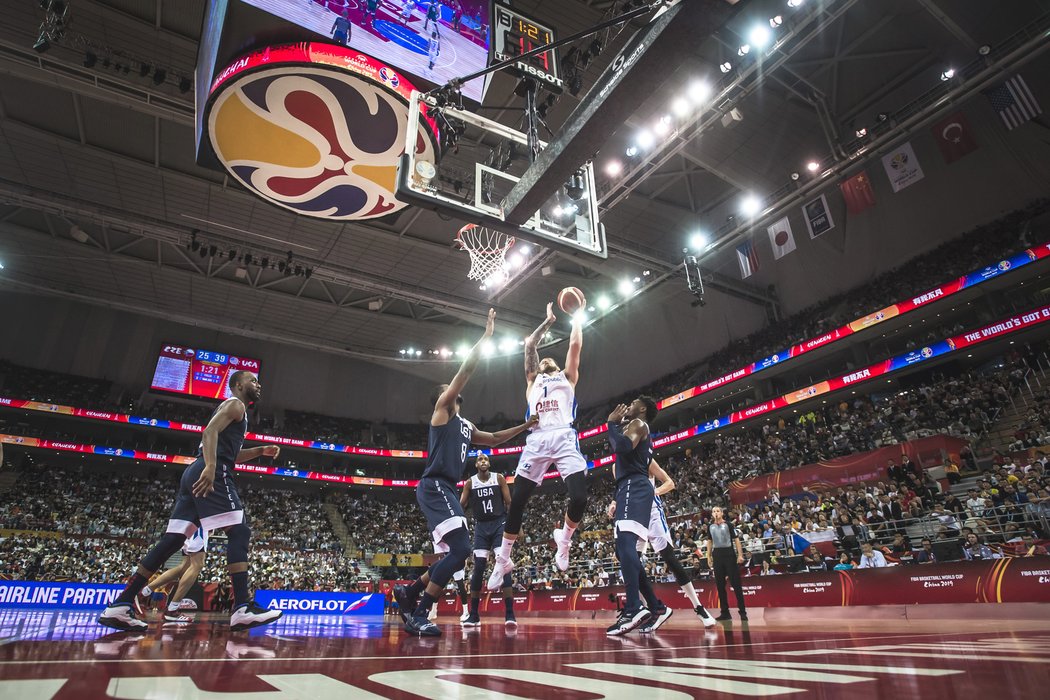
(514, 34)
(203, 373)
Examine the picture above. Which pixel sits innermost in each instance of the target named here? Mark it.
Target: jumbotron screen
(198, 372)
(402, 33)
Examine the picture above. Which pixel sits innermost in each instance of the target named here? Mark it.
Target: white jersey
(553, 399)
(197, 542)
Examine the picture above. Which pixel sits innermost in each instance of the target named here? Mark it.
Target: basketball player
(450, 438)
(406, 11)
(433, 12)
(371, 9)
(551, 395)
(434, 48)
(186, 573)
(629, 439)
(208, 499)
(491, 496)
(660, 538)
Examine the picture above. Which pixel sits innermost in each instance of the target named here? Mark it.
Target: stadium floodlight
(744, 50)
(947, 74)
(750, 205)
(698, 240)
(645, 139)
(604, 302)
(626, 287)
(795, 3)
(487, 348)
(402, 351)
(613, 168)
(662, 126)
(462, 351)
(861, 132)
(812, 166)
(418, 353)
(699, 92)
(580, 316)
(759, 37)
(680, 107)
(776, 21)
(631, 151)
(725, 67)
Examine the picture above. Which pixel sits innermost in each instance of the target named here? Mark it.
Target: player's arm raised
(532, 344)
(572, 357)
(480, 437)
(662, 478)
(464, 495)
(232, 410)
(623, 439)
(504, 489)
(455, 387)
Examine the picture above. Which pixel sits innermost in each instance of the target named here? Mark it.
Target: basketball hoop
(488, 252)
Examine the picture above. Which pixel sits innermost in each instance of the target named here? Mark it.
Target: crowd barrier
(1016, 580)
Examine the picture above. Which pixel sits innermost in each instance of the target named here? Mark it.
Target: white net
(488, 252)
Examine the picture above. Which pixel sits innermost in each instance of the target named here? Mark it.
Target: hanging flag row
(1012, 100)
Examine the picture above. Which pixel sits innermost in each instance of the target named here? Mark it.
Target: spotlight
(418, 353)
(776, 21)
(43, 42)
(558, 212)
(759, 36)
(613, 168)
(948, 74)
(604, 302)
(725, 67)
(680, 107)
(645, 138)
(626, 287)
(698, 240)
(90, 59)
(575, 187)
(750, 205)
(743, 50)
(699, 92)
(462, 351)
(631, 151)
(580, 316)
(265, 263)
(159, 76)
(795, 3)
(662, 126)
(861, 132)
(812, 166)
(984, 50)
(185, 84)
(795, 176)
(487, 348)
(402, 351)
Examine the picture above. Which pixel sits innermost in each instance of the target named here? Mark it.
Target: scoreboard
(203, 373)
(514, 34)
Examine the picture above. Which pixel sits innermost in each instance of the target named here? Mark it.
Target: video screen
(198, 372)
(431, 39)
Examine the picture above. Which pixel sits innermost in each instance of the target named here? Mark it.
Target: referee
(724, 555)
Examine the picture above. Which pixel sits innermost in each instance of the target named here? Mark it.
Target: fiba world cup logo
(927, 352)
(899, 160)
(389, 77)
(1004, 265)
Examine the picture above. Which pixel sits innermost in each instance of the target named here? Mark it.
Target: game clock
(514, 34)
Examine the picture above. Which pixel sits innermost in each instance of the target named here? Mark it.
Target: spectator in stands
(844, 563)
(974, 549)
(951, 472)
(1027, 547)
(870, 558)
(926, 554)
(814, 560)
(900, 546)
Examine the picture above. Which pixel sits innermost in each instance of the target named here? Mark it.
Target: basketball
(571, 300)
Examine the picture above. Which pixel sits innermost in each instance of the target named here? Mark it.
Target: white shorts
(197, 542)
(659, 532)
(544, 448)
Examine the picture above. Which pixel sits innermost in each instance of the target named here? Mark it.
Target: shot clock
(514, 34)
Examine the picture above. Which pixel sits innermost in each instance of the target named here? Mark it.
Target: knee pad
(166, 546)
(681, 577)
(237, 548)
(576, 485)
(520, 494)
(458, 550)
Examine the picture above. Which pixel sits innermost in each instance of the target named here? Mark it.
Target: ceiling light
(725, 67)
(794, 3)
(487, 348)
(861, 132)
(663, 126)
(613, 168)
(462, 351)
(680, 107)
(604, 302)
(760, 36)
(524, 249)
(699, 91)
(812, 166)
(402, 351)
(645, 138)
(580, 316)
(750, 205)
(948, 74)
(743, 50)
(698, 241)
(776, 21)
(631, 151)
(419, 353)
(626, 288)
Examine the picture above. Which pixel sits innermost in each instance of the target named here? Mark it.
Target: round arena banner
(315, 128)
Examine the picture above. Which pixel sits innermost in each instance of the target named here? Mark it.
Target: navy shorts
(488, 535)
(634, 504)
(220, 508)
(440, 504)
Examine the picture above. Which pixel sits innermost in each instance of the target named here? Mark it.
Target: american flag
(1014, 102)
(748, 259)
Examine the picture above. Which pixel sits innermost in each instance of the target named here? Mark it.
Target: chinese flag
(954, 137)
(858, 193)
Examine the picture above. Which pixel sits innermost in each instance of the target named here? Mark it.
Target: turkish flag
(858, 193)
(954, 137)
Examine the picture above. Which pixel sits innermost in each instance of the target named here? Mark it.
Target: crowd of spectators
(21, 382)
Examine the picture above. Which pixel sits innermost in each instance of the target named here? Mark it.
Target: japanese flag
(780, 238)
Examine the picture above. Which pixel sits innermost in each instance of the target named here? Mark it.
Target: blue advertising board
(322, 603)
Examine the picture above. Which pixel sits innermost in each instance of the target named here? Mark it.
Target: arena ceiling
(99, 190)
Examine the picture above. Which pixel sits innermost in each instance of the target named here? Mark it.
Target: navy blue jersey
(487, 498)
(229, 441)
(635, 461)
(447, 447)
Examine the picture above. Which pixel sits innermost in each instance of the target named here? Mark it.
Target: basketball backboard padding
(637, 72)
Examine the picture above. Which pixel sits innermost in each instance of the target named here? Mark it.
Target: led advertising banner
(321, 603)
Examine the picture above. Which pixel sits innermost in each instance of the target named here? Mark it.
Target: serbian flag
(748, 259)
(954, 137)
(858, 193)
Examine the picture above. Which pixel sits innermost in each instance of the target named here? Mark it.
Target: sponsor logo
(856, 376)
(928, 296)
(819, 341)
(1004, 265)
(927, 352)
(322, 605)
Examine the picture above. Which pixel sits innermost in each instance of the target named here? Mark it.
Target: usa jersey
(552, 398)
(229, 441)
(636, 461)
(447, 447)
(487, 498)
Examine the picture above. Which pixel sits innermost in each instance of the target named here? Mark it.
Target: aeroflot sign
(317, 603)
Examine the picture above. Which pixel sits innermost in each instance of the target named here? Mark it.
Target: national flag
(902, 167)
(800, 543)
(858, 193)
(748, 259)
(1014, 102)
(954, 137)
(780, 238)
